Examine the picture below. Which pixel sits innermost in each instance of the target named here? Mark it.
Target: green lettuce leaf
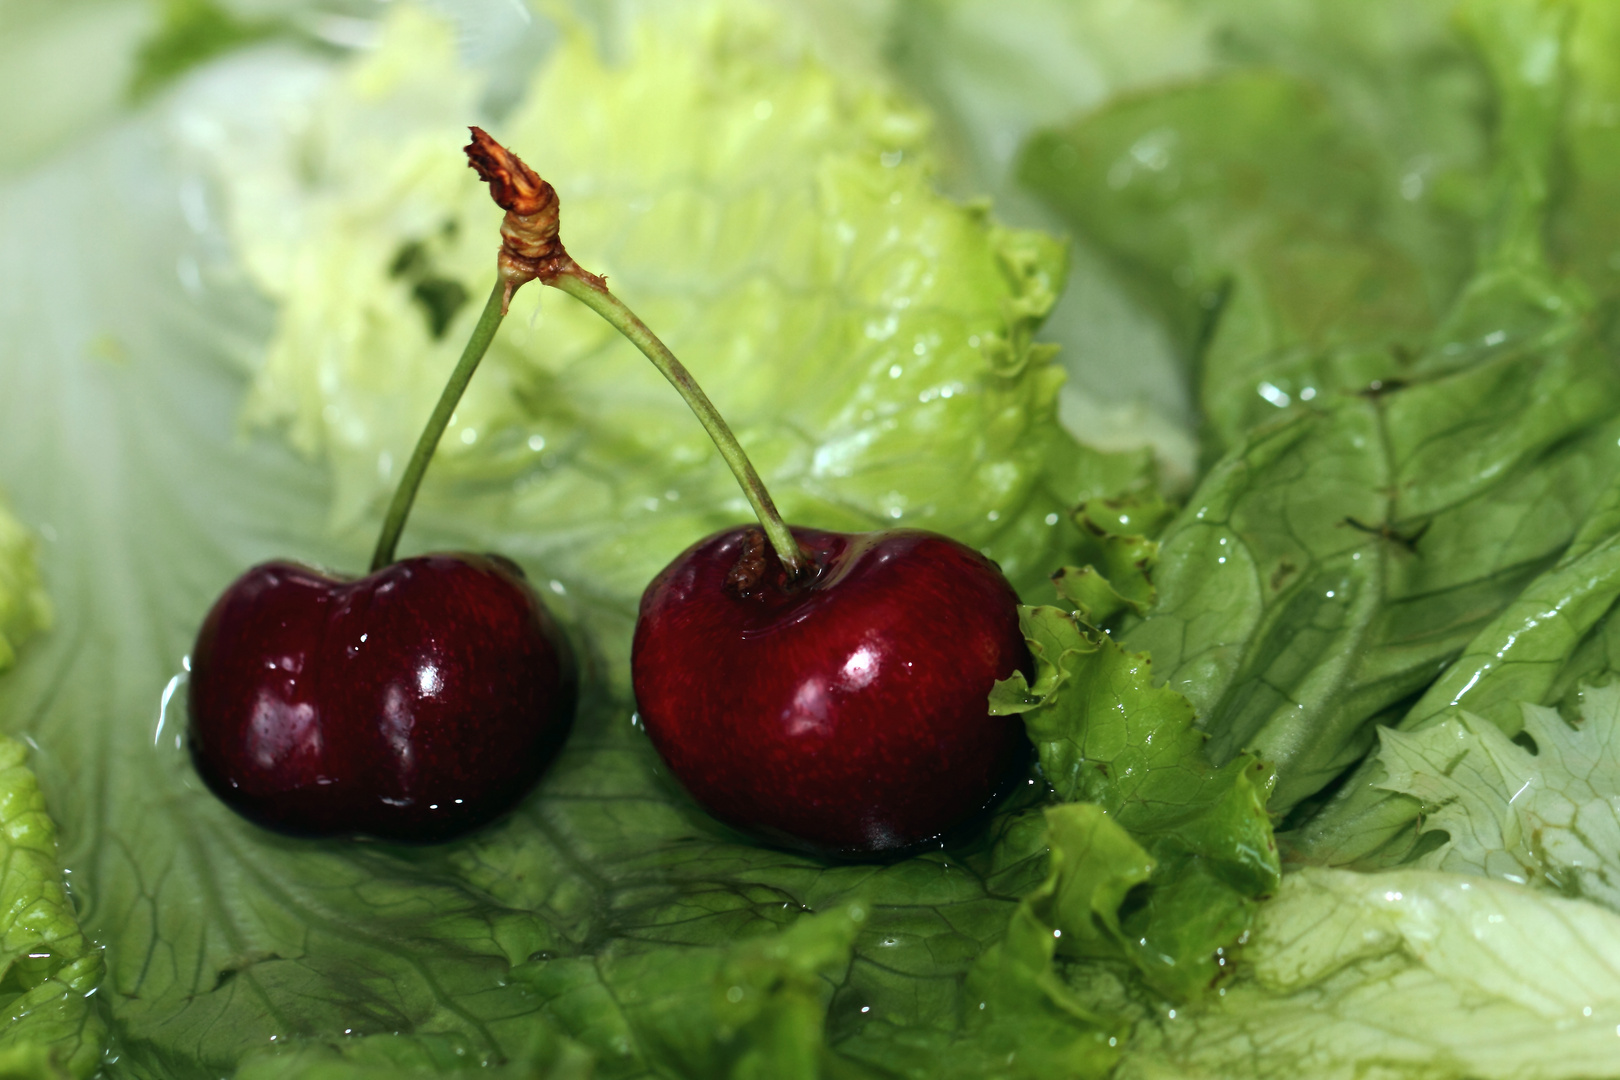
(50, 1025)
(605, 926)
(1297, 219)
(991, 73)
(25, 610)
(1106, 735)
(1558, 633)
(1545, 815)
(1585, 226)
(1328, 568)
(380, 1057)
(1338, 557)
(1405, 974)
(1118, 573)
(1022, 1017)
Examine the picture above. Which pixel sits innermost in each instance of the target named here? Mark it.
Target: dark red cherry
(845, 712)
(414, 704)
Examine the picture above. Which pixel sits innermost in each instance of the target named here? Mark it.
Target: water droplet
(1275, 395)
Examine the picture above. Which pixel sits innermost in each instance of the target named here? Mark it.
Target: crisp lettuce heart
(869, 340)
(24, 608)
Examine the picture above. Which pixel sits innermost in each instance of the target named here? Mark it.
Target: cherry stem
(595, 295)
(405, 494)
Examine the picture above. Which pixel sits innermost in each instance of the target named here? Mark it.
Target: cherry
(844, 710)
(414, 704)
(827, 691)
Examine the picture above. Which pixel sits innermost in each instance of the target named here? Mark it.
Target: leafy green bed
(1326, 778)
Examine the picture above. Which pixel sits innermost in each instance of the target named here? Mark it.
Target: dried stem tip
(530, 248)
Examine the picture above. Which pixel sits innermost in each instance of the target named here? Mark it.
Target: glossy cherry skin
(846, 714)
(414, 704)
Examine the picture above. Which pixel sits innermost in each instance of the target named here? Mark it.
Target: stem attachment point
(531, 249)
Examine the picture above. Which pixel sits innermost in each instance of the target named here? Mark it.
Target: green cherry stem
(590, 291)
(532, 251)
(405, 493)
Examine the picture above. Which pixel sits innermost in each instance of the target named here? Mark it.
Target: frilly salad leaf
(869, 340)
(1119, 556)
(1106, 735)
(1300, 214)
(1545, 815)
(1334, 561)
(1558, 633)
(49, 1024)
(1405, 974)
(1022, 1015)
(25, 610)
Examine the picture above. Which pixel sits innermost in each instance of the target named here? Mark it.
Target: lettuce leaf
(606, 926)
(1557, 634)
(49, 1023)
(1301, 213)
(25, 610)
(1107, 736)
(1544, 815)
(1419, 472)
(1409, 973)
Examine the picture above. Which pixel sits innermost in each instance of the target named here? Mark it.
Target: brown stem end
(530, 247)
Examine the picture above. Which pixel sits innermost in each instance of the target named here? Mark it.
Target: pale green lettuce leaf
(65, 67)
(1405, 974)
(25, 610)
(1549, 816)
